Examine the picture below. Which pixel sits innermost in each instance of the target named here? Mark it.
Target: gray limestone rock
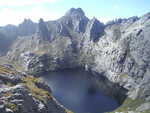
(43, 30)
(94, 30)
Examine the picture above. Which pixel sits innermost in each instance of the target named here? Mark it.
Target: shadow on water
(77, 91)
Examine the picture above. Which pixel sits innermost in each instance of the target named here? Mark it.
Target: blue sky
(14, 11)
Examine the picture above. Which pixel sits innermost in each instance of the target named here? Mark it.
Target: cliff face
(4, 43)
(119, 50)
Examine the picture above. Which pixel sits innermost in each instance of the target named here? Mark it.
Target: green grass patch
(147, 111)
(124, 76)
(38, 93)
(68, 111)
(12, 106)
(129, 105)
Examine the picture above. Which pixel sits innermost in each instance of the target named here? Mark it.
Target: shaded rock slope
(9, 33)
(118, 51)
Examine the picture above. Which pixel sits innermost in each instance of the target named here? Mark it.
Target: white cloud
(23, 2)
(13, 12)
(10, 16)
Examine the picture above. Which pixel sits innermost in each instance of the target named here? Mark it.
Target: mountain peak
(75, 12)
(27, 21)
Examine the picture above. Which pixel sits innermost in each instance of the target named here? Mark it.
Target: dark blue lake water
(75, 89)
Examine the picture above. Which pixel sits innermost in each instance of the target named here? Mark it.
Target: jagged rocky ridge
(9, 33)
(119, 51)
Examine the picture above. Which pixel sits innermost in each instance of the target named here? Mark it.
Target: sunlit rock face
(120, 49)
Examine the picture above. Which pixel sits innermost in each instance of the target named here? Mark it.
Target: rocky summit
(118, 51)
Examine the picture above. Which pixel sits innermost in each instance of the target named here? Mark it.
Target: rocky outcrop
(76, 19)
(43, 31)
(20, 93)
(94, 30)
(26, 28)
(119, 21)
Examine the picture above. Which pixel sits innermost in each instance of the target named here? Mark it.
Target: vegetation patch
(68, 111)
(124, 76)
(147, 111)
(38, 93)
(7, 94)
(16, 65)
(129, 105)
(5, 70)
(12, 106)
